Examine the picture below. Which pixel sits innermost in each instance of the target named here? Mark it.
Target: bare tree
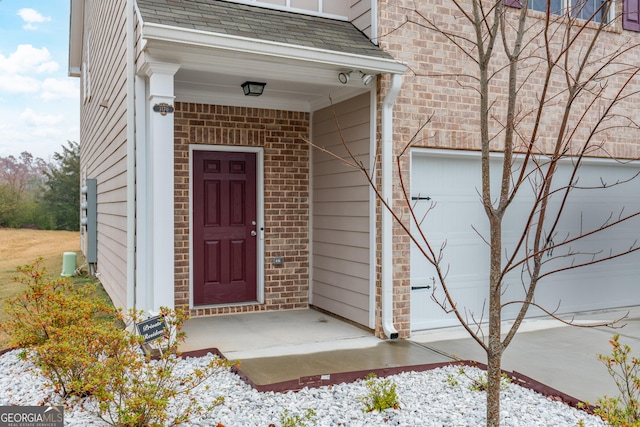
(19, 174)
(548, 89)
(20, 185)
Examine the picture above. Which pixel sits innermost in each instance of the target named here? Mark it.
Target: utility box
(89, 221)
(68, 264)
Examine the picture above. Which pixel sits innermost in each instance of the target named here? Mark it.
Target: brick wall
(286, 179)
(442, 81)
(438, 87)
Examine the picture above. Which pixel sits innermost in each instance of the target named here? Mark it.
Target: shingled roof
(222, 17)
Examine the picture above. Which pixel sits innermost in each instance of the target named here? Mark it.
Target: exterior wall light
(366, 79)
(344, 77)
(253, 88)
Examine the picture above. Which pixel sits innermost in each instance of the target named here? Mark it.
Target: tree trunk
(494, 373)
(494, 349)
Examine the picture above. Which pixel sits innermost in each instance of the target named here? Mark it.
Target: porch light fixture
(253, 88)
(345, 76)
(366, 78)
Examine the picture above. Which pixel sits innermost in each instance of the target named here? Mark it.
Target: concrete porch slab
(280, 346)
(268, 334)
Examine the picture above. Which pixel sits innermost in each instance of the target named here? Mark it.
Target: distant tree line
(39, 194)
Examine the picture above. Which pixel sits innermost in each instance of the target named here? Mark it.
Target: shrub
(49, 305)
(71, 356)
(77, 341)
(623, 411)
(294, 420)
(381, 394)
(134, 390)
(64, 325)
(479, 382)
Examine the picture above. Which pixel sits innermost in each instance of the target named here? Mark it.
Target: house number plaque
(163, 108)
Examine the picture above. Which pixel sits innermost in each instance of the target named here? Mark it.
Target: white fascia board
(151, 31)
(76, 32)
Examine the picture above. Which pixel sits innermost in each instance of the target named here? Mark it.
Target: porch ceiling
(214, 76)
(216, 56)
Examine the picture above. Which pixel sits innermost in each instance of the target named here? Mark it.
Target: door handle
(254, 233)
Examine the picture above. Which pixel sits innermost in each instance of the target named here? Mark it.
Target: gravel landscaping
(430, 398)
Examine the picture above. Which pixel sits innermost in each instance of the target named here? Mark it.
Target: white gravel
(426, 399)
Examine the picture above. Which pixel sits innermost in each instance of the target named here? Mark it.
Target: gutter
(131, 156)
(238, 44)
(387, 194)
(76, 30)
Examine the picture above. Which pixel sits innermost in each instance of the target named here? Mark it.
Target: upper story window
(593, 10)
(337, 9)
(584, 9)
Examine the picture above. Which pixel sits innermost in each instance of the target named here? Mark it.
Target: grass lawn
(20, 247)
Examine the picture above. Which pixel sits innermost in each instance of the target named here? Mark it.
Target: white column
(160, 248)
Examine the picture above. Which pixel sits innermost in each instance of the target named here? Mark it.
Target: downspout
(131, 156)
(387, 194)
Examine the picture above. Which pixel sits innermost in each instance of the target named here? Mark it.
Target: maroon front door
(224, 227)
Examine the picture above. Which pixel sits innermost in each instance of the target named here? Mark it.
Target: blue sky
(39, 103)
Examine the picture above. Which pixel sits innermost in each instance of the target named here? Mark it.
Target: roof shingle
(218, 16)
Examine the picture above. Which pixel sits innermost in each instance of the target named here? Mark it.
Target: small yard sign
(152, 328)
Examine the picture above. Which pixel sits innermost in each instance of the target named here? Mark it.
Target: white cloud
(18, 73)
(31, 17)
(31, 118)
(37, 129)
(13, 83)
(28, 60)
(57, 89)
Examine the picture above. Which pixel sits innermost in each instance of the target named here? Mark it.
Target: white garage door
(447, 185)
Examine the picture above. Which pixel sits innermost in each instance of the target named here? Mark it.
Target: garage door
(446, 184)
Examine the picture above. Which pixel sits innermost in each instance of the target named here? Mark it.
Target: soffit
(219, 45)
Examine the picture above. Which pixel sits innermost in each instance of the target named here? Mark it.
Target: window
(541, 5)
(581, 9)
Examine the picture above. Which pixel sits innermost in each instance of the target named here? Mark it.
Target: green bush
(48, 305)
(294, 420)
(381, 394)
(481, 382)
(73, 357)
(134, 391)
(623, 411)
(79, 343)
(63, 326)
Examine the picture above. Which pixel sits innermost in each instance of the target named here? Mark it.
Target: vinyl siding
(360, 15)
(103, 137)
(333, 8)
(357, 12)
(340, 212)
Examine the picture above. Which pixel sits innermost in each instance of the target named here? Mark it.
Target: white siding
(103, 136)
(360, 16)
(340, 213)
(358, 12)
(330, 8)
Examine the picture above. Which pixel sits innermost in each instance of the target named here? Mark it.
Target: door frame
(259, 213)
